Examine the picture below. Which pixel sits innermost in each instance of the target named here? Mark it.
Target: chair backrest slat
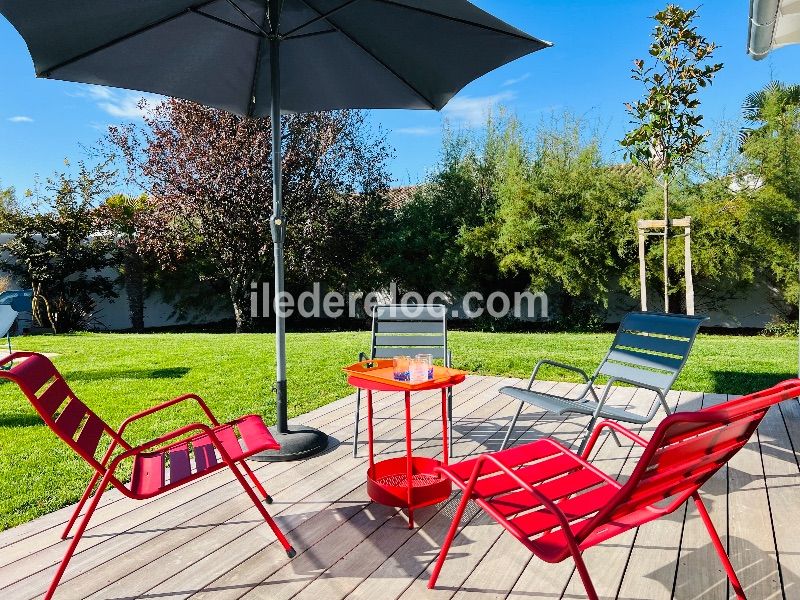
(648, 361)
(410, 312)
(675, 488)
(656, 323)
(392, 351)
(409, 329)
(686, 449)
(54, 396)
(62, 411)
(664, 345)
(91, 434)
(33, 373)
(71, 418)
(651, 348)
(658, 379)
(410, 340)
(696, 447)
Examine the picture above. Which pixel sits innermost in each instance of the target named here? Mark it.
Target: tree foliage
(432, 229)
(58, 250)
(772, 150)
(667, 127)
(563, 219)
(208, 175)
(124, 218)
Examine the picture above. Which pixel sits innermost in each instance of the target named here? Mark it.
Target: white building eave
(773, 24)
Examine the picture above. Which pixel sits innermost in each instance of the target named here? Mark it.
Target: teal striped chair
(648, 352)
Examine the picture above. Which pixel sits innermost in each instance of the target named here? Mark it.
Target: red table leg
(444, 426)
(369, 429)
(409, 472)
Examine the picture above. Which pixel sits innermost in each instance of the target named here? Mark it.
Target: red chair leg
(256, 482)
(723, 556)
(448, 540)
(74, 543)
(272, 525)
(79, 507)
(591, 593)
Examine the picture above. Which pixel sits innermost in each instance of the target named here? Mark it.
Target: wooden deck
(205, 540)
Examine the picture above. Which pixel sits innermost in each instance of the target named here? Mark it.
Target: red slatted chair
(558, 504)
(158, 466)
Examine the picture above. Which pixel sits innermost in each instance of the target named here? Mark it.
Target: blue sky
(587, 72)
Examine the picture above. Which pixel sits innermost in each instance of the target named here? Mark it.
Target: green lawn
(119, 374)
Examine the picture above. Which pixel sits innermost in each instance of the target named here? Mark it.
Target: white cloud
(473, 110)
(418, 131)
(516, 80)
(20, 119)
(122, 104)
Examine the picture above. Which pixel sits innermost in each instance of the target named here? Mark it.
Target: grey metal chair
(22, 302)
(648, 352)
(408, 329)
(7, 318)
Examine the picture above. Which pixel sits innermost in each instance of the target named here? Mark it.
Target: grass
(119, 374)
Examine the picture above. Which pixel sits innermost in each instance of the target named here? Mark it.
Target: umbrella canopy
(334, 53)
(261, 57)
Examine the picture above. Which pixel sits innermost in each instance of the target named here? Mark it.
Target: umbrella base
(298, 443)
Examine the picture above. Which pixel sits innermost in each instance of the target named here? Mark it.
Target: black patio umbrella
(261, 57)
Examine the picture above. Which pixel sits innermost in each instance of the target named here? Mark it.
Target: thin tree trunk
(134, 287)
(240, 299)
(666, 244)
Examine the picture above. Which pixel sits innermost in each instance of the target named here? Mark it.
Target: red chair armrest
(163, 439)
(606, 424)
(167, 404)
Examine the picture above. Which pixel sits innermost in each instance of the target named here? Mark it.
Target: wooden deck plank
(650, 572)
(782, 477)
(750, 537)
(699, 573)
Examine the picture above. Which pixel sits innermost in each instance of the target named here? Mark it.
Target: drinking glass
(418, 370)
(428, 360)
(402, 365)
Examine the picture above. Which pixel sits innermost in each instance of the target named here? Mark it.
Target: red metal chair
(158, 465)
(558, 504)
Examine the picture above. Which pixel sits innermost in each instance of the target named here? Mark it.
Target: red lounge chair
(558, 505)
(159, 465)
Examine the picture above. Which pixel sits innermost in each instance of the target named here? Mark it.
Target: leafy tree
(564, 217)
(773, 96)
(124, 218)
(8, 206)
(442, 226)
(772, 150)
(666, 134)
(208, 176)
(58, 252)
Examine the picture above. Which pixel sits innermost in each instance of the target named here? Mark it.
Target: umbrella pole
(299, 442)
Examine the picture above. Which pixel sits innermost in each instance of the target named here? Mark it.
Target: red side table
(406, 482)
